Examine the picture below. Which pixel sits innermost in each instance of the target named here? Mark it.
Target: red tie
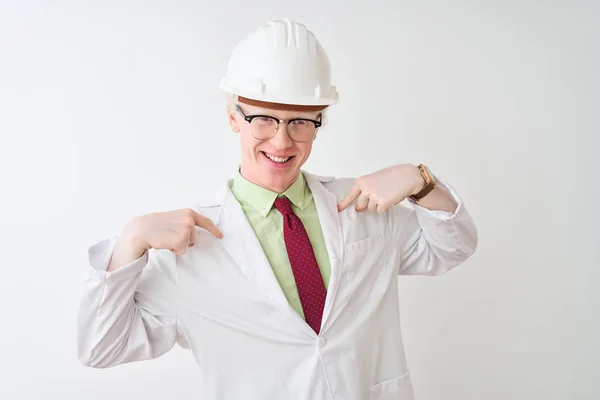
(304, 265)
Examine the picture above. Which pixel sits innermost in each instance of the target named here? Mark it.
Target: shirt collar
(262, 199)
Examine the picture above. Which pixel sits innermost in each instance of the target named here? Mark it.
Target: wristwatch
(429, 183)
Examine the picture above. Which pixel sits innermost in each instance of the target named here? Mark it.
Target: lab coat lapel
(326, 204)
(243, 246)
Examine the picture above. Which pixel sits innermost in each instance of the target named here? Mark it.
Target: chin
(279, 182)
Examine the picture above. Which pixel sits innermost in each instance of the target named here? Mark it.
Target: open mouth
(277, 160)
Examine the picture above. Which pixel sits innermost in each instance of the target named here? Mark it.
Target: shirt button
(321, 342)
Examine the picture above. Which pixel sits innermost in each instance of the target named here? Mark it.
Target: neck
(279, 189)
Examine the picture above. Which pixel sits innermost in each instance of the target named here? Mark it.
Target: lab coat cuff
(440, 214)
(458, 224)
(100, 255)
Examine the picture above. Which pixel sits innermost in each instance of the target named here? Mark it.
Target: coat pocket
(394, 389)
(366, 267)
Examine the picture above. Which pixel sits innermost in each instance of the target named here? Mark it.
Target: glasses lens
(264, 127)
(302, 130)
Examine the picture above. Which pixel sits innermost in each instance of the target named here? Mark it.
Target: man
(284, 286)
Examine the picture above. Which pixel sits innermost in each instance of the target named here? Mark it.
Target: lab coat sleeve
(432, 242)
(129, 314)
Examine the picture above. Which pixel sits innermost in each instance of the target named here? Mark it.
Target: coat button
(321, 342)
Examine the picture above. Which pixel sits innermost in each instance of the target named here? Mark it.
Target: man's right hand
(170, 230)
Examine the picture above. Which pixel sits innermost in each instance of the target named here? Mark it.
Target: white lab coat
(221, 300)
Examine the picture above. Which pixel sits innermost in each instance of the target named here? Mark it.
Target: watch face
(430, 174)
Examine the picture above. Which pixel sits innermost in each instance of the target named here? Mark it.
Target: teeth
(277, 159)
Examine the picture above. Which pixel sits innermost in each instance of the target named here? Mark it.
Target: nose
(282, 140)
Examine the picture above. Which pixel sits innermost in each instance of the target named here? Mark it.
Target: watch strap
(429, 184)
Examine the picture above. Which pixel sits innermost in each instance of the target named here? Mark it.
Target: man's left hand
(384, 189)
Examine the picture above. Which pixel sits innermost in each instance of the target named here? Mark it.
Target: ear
(233, 123)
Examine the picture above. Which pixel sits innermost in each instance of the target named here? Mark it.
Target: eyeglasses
(264, 127)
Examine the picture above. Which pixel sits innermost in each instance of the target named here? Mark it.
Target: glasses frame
(249, 118)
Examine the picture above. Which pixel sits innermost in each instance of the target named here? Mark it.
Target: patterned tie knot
(283, 205)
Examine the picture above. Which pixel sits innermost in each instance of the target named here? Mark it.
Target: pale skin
(176, 230)
(384, 189)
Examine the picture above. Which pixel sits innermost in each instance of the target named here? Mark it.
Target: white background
(110, 109)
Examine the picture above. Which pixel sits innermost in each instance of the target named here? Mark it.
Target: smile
(279, 160)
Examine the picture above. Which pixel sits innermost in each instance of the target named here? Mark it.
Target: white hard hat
(280, 62)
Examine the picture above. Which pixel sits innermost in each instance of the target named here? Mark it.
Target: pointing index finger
(349, 198)
(204, 222)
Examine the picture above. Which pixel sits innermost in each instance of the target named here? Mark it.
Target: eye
(300, 122)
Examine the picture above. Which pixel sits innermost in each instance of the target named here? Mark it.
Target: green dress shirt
(267, 223)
